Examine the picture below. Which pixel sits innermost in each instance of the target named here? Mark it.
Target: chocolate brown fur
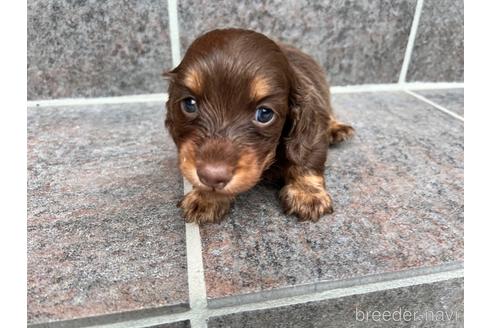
(222, 149)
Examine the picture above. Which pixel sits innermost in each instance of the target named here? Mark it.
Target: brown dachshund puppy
(242, 107)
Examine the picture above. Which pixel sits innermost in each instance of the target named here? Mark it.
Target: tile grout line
(341, 292)
(396, 87)
(201, 314)
(411, 42)
(430, 102)
(158, 97)
(322, 286)
(196, 273)
(172, 8)
(197, 292)
(151, 97)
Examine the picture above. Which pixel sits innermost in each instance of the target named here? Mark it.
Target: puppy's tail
(338, 131)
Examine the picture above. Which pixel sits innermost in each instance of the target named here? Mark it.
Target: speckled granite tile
(427, 306)
(104, 233)
(122, 319)
(96, 48)
(438, 52)
(398, 198)
(181, 324)
(356, 41)
(452, 99)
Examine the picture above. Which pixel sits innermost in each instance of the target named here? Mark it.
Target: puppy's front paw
(340, 132)
(305, 204)
(201, 208)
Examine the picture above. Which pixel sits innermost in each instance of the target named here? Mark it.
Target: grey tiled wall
(438, 51)
(96, 48)
(357, 42)
(89, 48)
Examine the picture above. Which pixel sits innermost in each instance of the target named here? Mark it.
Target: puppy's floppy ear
(306, 140)
(169, 75)
(170, 119)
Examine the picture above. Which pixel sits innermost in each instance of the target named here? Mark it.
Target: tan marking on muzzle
(249, 170)
(187, 163)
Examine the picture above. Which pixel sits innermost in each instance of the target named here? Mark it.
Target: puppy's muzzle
(216, 175)
(216, 163)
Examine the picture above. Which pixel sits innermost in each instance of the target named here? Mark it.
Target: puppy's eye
(264, 115)
(189, 105)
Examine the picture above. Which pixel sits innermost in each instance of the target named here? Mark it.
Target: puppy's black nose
(214, 175)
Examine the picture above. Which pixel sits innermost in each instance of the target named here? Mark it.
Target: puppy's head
(228, 101)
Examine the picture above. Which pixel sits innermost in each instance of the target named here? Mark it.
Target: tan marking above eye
(259, 88)
(193, 80)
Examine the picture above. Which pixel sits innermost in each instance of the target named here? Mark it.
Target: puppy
(242, 107)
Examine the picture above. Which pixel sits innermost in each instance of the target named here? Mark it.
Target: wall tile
(96, 48)
(357, 42)
(438, 53)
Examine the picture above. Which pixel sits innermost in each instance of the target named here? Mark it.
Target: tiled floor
(334, 312)
(451, 99)
(397, 189)
(103, 227)
(105, 239)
